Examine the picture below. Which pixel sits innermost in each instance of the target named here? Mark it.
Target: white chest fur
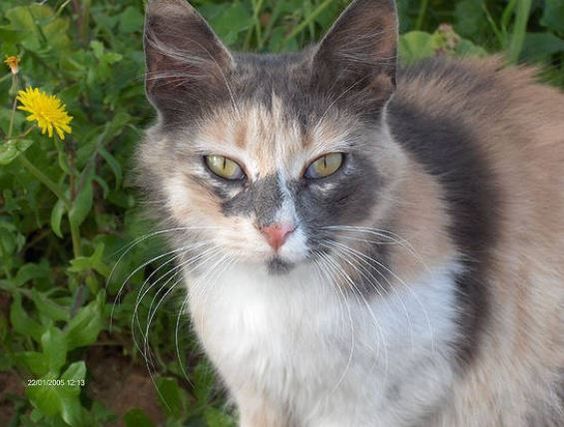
(330, 359)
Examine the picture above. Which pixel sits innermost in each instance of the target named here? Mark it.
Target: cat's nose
(277, 234)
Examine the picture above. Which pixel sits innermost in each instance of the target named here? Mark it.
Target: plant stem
(299, 28)
(11, 126)
(14, 105)
(421, 16)
(75, 237)
(44, 179)
(507, 13)
(519, 30)
(257, 6)
(501, 36)
(73, 173)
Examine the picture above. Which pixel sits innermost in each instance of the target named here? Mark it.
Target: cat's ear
(360, 50)
(186, 61)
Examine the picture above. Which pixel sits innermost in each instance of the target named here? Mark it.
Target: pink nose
(277, 234)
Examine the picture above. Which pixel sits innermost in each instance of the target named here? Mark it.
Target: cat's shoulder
(476, 85)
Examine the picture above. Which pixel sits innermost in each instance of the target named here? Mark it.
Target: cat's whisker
(318, 264)
(325, 259)
(181, 312)
(151, 313)
(379, 232)
(405, 286)
(395, 238)
(357, 290)
(130, 247)
(191, 263)
(361, 298)
(174, 273)
(381, 343)
(143, 292)
(145, 264)
(366, 265)
(176, 339)
(141, 295)
(206, 282)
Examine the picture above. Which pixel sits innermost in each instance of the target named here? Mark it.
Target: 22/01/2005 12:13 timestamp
(55, 382)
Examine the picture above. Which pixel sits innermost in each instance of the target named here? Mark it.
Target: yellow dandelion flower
(14, 63)
(47, 110)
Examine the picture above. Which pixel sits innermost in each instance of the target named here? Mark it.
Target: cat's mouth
(277, 266)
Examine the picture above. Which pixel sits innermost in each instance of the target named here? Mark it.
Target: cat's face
(267, 158)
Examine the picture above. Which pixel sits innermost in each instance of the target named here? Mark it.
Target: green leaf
(553, 15)
(54, 346)
(102, 416)
(416, 45)
(56, 217)
(21, 322)
(71, 411)
(10, 150)
(98, 48)
(233, 20)
(82, 204)
(203, 382)
(119, 121)
(83, 329)
(216, 418)
(114, 165)
(93, 262)
(131, 20)
(34, 361)
(45, 397)
(61, 398)
(467, 48)
(541, 46)
(74, 373)
(31, 271)
(470, 18)
(137, 418)
(171, 397)
(103, 184)
(36, 416)
(37, 25)
(11, 240)
(49, 308)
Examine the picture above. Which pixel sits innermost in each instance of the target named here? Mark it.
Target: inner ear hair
(361, 47)
(184, 57)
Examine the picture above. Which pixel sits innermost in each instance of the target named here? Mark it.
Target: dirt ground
(10, 385)
(119, 385)
(112, 380)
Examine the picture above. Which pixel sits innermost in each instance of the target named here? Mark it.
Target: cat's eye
(324, 166)
(224, 167)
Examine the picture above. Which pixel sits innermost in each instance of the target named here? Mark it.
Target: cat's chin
(277, 266)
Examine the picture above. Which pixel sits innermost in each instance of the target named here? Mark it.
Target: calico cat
(362, 244)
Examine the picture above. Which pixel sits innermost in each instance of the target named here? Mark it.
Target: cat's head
(267, 158)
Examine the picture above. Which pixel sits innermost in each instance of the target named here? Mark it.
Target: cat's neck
(246, 317)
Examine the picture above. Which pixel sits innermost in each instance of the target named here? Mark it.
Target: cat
(362, 244)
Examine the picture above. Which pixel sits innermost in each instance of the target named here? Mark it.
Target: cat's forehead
(270, 138)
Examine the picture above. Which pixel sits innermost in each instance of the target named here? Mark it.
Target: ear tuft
(360, 49)
(185, 59)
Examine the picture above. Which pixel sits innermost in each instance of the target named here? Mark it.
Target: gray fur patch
(261, 198)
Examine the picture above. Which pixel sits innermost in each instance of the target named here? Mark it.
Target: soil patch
(121, 385)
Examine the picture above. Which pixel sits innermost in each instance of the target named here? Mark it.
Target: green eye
(325, 166)
(224, 167)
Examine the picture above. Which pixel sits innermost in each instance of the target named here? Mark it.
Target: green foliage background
(62, 264)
